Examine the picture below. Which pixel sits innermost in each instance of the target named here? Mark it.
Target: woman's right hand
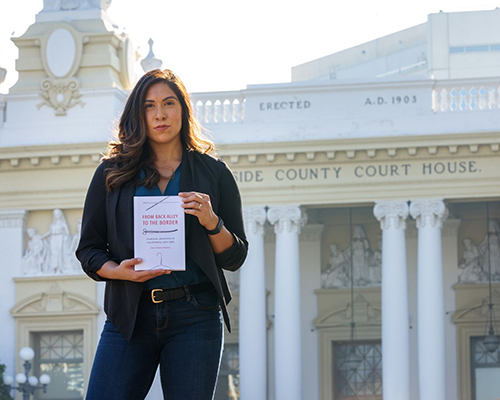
(125, 271)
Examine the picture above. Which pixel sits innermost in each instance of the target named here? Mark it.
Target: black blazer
(107, 234)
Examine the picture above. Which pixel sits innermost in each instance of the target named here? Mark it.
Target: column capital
(391, 213)
(255, 218)
(12, 218)
(286, 218)
(429, 212)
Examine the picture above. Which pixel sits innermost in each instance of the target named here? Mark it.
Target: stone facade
(384, 175)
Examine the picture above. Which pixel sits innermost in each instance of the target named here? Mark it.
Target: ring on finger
(199, 205)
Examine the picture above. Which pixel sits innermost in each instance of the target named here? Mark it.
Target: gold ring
(200, 205)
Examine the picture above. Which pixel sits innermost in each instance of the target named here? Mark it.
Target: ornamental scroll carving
(429, 213)
(61, 53)
(286, 218)
(52, 253)
(60, 94)
(367, 263)
(391, 214)
(474, 264)
(255, 218)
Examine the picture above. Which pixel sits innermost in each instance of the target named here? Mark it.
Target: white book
(159, 233)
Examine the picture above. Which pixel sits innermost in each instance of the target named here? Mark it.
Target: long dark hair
(131, 152)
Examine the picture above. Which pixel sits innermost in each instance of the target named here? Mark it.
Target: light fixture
(33, 380)
(353, 359)
(27, 353)
(26, 384)
(490, 342)
(21, 378)
(44, 379)
(8, 380)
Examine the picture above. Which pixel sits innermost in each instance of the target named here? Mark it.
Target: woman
(173, 319)
(57, 238)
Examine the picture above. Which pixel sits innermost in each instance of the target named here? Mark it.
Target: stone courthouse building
(371, 194)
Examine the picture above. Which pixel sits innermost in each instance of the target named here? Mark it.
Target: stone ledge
(402, 147)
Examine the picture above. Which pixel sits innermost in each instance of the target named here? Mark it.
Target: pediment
(477, 311)
(365, 313)
(54, 301)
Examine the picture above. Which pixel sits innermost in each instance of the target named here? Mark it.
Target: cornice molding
(53, 155)
(388, 147)
(374, 147)
(320, 86)
(44, 200)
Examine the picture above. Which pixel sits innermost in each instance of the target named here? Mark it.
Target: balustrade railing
(466, 98)
(229, 107)
(219, 107)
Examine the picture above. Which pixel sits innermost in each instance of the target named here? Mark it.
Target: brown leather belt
(166, 294)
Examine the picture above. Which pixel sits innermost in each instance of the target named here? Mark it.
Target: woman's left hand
(198, 204)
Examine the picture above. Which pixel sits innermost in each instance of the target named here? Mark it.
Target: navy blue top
(193, 273)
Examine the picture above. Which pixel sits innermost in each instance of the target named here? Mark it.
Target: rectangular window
(60, 355)
(228, 387)
(485, 371)
(364, 383)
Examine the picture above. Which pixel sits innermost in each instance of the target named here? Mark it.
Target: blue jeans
(184, 336)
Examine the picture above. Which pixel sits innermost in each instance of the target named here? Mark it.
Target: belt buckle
(153, 296)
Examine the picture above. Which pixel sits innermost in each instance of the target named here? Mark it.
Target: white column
(287, 221)
(430, 215)
(12, 246)
(252, 324)
(101, 317)
(395, 320)
(155, 391)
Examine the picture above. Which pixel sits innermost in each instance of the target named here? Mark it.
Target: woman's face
(163, 113)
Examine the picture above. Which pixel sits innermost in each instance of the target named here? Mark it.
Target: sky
(216, 45)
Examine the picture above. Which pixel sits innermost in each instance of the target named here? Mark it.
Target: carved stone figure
(366, 264)
(475, 263)
(376, 265)
(336, 275)
(470, 265)
(494, 234)
(34, 258)
(53, 252)
(57, 239)
(361, 255)
(494, 257)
